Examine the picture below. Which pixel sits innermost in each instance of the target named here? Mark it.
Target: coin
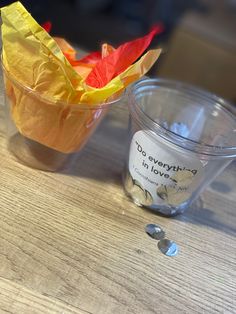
(168, 247)
(129, 182)
(155, 231)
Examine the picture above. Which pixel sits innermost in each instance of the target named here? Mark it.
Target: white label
(164, 173)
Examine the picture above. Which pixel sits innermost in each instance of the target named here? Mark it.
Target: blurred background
(199, 40)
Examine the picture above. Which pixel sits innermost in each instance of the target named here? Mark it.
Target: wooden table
(72, 242)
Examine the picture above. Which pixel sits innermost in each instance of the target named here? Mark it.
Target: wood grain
(71, 242)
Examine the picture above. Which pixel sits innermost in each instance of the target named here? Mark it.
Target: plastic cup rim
(149, 124)
(50, 100)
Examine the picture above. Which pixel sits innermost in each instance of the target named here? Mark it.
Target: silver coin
(168, 247)
(129, 182)
(172, 195)
(155, 231)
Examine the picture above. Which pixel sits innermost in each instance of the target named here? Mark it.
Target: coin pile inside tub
(166, 246)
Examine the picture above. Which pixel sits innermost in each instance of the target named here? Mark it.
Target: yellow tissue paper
(49, 98)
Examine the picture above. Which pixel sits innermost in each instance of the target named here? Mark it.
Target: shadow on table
(223, 216)
(200, 215)
(102, 158)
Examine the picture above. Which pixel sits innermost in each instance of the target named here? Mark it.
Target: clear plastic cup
(25, 142)
(180, 139)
